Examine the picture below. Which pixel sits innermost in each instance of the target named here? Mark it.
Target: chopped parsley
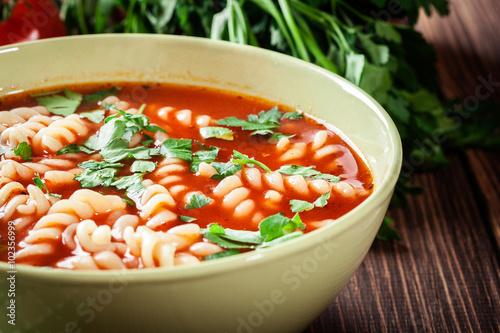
(293, 115)
(132, 184)
(197, 201)
(272, 230)
(186, 219)
(142, 166)
(73, 148)
(263, 123)
(62, 105)
(225, 169)
(307, 172)
(95, 116)
(97, 173)
(240, 158)
(178, 148)
(227, 253)
(298, 206)
(23, 150)
(207, 156)
(223, 133)
(101, 94)
(38, 182)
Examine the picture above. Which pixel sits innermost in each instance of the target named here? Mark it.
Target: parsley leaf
(230, 238)
(198, 201)
(278, 225)
(61, 105)
(23, 150)
(272, 230)
(225, 169)
(307, 172)
(38, 182)
(216, 132)
(298, 206)
(207, 156)
(74, 149)
(101, 94)
(132, 183)
(118, 150)
(186, 219)
(261, 124)
(97, 173)
(244, 159)
(322, 201)
(95, 116)
(275, 137)
(293, 115)
(227, 253)
(142, 166)
(179, 148)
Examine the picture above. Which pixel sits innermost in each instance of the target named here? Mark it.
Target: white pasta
(24, 132)
(93, 238)
(37, 204)
(20, 115)
(60, 133)
(119, 224)
(295, 152)
(227, 185)
(319, 139)
(15, 170)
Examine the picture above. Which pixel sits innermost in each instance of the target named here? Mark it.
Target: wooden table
(443, 276)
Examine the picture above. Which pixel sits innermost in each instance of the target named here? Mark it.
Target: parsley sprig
(273, 230)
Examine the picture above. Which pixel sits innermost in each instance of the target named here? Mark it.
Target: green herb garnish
(95, 116)
(101, 94)
(225, 169)
(216, 132)
(298, 206)
(262, 124)
(197, 201)
(178, 148)
(59, 104)
(186, 219)
(307, 172)
(97, 173)
(142, 166)
(227, 253)
(207, 156)
(38, 182)
(243, 159)
(23, 150)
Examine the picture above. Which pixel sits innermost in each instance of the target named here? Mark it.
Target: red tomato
(31, 20)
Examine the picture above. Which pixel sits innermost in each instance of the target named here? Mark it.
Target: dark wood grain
(467, 44)
(444, 274)
(485, 166)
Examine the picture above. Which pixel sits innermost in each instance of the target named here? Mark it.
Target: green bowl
(281, 289)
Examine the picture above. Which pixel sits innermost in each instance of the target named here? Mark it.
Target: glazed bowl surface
(280, 289)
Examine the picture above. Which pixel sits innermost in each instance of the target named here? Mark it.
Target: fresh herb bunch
(359, 40)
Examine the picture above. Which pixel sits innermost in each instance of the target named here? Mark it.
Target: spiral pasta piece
(60, 133)
(20, 115)
(24, 132)
(100, 260)
(156, 204)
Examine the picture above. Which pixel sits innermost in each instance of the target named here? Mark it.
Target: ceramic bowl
(281, 289)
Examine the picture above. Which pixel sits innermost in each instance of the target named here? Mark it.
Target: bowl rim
(245, 260)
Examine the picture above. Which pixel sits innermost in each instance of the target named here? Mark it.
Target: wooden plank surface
(444, 274)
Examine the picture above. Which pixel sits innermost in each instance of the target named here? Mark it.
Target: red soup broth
(181, 111)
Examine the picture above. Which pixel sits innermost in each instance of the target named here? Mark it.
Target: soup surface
(131, 175)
